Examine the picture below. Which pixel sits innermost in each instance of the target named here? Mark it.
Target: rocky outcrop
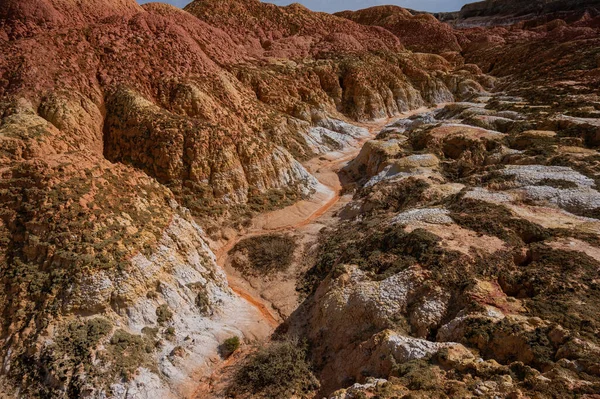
(458, 260)
(542, 46)
(220, 164)
(95, 258)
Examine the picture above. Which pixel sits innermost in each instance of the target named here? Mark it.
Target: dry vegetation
(264, 255)
(278, 370)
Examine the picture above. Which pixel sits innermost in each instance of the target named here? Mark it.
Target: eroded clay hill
(420, 33)
(549, 55)
(114, 117)
(465, 265)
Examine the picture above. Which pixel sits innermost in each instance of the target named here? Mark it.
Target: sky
(340, 5)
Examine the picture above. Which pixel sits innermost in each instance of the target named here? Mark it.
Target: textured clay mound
(24, 18)
(422, 33)
(549, 55)
(290, 32)
(139, 49)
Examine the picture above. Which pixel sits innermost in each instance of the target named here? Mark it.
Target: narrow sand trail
(304, 218)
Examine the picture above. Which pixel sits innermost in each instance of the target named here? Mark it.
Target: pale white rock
(333, 134)
(573, 200)
(531, 181)
(353, 300)
(482, 194)
(146, 385)
(412, 165)
(355, 390)
(532, 174)
(407, 124)
(181, 268)
(428, 312)
(345, 128)
(322, 140)
(389, 173)
(405, 349)
(426, 215)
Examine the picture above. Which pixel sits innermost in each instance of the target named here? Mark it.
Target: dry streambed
(275, 295)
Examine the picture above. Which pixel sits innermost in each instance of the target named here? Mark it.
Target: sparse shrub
(163, 314)
(278, 370)
(150, 332)
(170, 333)
(229, 346)
(70, 358)
(265, 254)
(203, 303)
(418, 375)
(128, 352)
(495, 220)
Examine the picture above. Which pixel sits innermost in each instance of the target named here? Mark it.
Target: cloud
(340, 5)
